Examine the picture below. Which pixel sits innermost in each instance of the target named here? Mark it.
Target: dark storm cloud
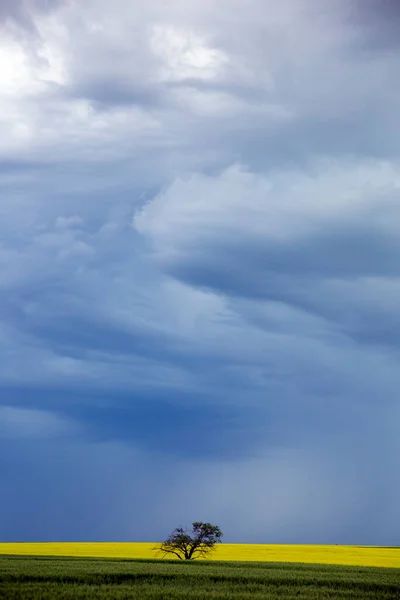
(342, 253)
(299, 275)
(378, 22)
(22, 12)
(172, 426)
(185, 425)
(111, 93)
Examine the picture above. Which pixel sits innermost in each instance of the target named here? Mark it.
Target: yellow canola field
(368, 556)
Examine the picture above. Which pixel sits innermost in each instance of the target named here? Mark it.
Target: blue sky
(200, 269)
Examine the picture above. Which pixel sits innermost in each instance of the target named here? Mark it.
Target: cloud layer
(199, 283)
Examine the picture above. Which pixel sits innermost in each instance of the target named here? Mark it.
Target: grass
(39, 578)
(367, 556)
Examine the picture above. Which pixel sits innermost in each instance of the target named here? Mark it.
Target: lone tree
(188, 545)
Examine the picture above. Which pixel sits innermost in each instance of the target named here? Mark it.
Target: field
(34, 578)
(341, 555)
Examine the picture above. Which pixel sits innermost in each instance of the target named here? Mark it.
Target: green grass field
(39, 578)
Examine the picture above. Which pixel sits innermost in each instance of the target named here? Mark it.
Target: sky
(200, 269)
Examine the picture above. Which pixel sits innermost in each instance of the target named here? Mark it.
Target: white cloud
(186, 78)
(279, 207)
(66, 222)
(185, 54)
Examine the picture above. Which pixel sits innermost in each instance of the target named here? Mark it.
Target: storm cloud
(199, 269)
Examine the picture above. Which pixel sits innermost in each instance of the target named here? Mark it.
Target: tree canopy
(187, 544)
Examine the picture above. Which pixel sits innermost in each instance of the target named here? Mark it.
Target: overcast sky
(200, 269)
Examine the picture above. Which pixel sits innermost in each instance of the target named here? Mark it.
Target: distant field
(339, 555)
(32, 578)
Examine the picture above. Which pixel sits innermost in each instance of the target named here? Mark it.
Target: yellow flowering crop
(340, 555)
(367, 556)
